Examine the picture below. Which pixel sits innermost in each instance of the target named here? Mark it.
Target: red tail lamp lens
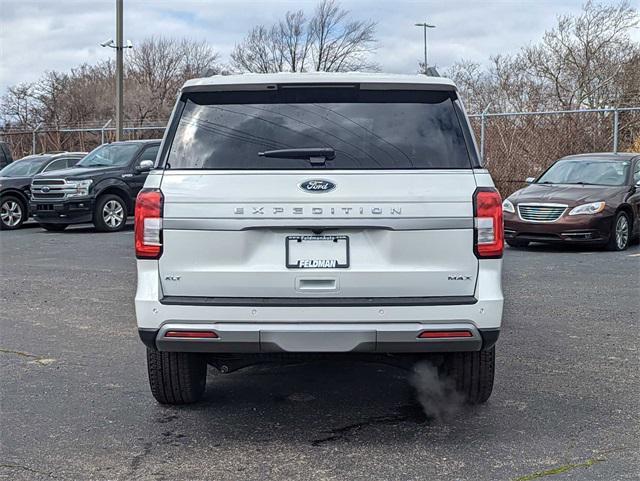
(148, 224)
(489, 226)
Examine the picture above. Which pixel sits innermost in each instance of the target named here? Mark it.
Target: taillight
(148, 224)
(489, 227)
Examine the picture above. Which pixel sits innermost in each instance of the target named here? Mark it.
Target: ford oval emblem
(45, 189)
(318, 185)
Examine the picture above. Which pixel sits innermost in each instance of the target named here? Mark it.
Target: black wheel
(620, 232)
(54, 227)
(13, 212)
(176, 377)
(110, 213)
(472, 373)
(517, 242)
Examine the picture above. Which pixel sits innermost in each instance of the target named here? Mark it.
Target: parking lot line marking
(634, 255)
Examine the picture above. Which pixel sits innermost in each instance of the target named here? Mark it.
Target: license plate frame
(326, 263)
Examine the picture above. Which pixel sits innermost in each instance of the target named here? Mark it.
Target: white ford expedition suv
(318, 215)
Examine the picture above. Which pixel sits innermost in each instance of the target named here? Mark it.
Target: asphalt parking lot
(76, 404)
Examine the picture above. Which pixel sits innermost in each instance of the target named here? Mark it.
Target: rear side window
(57, 165)
(366, 129)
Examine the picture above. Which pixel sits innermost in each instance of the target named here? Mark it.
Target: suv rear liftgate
(332, 218)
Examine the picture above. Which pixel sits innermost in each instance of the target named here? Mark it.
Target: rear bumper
(257, 326)
(70, 212)
(315, 338)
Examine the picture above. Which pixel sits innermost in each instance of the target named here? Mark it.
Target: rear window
(366, 129)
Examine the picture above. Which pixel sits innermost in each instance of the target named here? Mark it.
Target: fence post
(102, 130)
(483, 116)
(616, 126)
(33, 138)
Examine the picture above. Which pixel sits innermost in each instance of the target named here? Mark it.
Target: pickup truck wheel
(176, 377)
(13, 213)
(472, 373)
(54, 227)
(110, 213)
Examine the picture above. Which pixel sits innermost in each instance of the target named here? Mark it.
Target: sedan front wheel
(620, 232)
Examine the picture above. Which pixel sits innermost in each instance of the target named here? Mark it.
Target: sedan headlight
(592, 208)
(82, 188)
(507, 206)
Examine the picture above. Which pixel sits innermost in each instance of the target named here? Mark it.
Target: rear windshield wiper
(315, 155)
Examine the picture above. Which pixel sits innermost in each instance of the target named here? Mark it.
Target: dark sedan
(588, 198)
(15, 183)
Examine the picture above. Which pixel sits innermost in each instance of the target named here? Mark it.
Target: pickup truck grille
(50, 189)
(541, 212)
(49, 182)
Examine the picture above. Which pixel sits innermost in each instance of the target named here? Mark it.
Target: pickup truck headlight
(592, 208)
(507, 206)
(82, 188)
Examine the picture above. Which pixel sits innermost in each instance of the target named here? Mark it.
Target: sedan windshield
(26, 167)
(589, 172)
(111, 155)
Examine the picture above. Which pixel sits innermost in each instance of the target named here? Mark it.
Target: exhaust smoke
(436, 393)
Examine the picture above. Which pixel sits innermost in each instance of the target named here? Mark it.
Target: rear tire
(472, 373)
(13, 212)
(176, 377)
(110, 213)
(54, 227)
(517, 243)
(620, 236)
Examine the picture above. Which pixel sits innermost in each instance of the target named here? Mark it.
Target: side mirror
(144, 166)
(530, 180)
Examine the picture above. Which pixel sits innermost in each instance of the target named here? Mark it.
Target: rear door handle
(317, 284)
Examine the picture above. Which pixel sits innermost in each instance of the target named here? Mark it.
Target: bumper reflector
(192, 334)
(443, 334)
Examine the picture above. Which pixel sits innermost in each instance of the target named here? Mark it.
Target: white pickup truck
(293, 215)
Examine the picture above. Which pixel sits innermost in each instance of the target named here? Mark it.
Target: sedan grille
(541, 212)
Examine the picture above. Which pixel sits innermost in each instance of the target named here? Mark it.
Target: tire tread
(472, 374)
(176, 377)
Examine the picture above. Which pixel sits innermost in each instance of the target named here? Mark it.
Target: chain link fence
(518, 145)
(515, 145)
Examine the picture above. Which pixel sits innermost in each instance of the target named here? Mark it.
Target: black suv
(15, 183)
(102, 188)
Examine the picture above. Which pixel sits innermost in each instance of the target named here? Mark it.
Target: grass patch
(559, 470)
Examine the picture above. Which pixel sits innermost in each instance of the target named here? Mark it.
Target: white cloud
(36, 36)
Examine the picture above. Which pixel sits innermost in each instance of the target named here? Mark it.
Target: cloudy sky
(40, 35)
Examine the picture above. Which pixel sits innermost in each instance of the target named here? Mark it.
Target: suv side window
(150, 153)
(56, 165)
(636, 173)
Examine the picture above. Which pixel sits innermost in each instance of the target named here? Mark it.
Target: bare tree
(329, 41)
(155, 70)
(582, 57)
(588, 61)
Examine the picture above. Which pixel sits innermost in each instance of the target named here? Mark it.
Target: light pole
(425, 26)
(119, 47)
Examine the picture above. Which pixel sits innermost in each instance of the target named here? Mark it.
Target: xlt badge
(317, 186)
